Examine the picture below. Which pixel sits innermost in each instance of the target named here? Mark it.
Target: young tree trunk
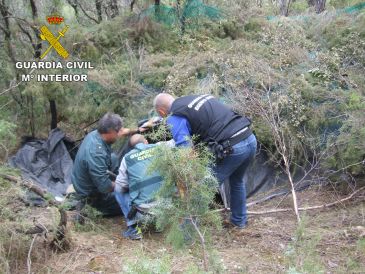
(114, 8)
(37, 54)
(319, 5)
(284, 6)
(181, 16)
(38, 44)
(9, 47)
(157, 8)
(294, 194)
(132, 4)
(53, 108)
(202, 242)
(98, 10)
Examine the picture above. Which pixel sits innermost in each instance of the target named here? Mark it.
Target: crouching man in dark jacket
(227, 134)
(93, 163)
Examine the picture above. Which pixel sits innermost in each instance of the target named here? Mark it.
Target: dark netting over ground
(46, 162)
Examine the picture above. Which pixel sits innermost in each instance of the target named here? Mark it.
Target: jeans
(123, 200)
(233, 168)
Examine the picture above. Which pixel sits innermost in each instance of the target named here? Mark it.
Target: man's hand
(124, 132)
(113, 186)
(128, 132)
(152, 122)
(148, 124)
(142, 129)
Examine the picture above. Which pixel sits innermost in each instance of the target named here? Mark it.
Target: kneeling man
(135, 185)
(95, 161)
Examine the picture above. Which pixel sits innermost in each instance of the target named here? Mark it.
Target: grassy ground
(327, 241)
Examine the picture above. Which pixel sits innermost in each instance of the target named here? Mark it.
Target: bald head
(137, 139)
(162, 103)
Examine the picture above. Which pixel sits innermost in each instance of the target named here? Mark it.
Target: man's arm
(180, 129)
(121, 183)
(98, 170)
(128, 131)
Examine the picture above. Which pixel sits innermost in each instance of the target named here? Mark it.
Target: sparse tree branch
(87, 15)
(202, 242)
(278, 210)
(29, 261)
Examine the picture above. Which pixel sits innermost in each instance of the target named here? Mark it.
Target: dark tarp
(49, 164)
(46, 162)
(263, 177)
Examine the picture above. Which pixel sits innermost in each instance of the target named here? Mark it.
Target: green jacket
(142, 183)
(93, 159)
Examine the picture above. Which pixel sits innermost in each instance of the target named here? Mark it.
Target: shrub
(185, 198)
(7, 138)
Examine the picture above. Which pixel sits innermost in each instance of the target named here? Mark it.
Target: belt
(238, 137)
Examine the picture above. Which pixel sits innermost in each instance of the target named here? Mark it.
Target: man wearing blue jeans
(225, 132)
(135, 186)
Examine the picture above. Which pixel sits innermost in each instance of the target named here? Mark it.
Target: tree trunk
(157, 8)
(98, 10)
(114, 8)
(181, 16)
(284, 7)
(132, 4)
(53, 108)
(319, 5)
(38, 45)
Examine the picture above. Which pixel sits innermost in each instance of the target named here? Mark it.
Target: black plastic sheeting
(49, 164)
(46, 162)
(261, 177)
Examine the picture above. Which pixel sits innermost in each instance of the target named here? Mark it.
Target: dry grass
(335, 237)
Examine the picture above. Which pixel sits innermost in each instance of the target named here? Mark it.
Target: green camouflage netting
(189, 13)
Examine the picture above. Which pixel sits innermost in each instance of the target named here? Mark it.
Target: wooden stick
(300, 208)
(29, 261)
(202, 242)
(28, 184)
(31, 186)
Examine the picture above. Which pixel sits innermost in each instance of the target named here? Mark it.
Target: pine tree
(185, 199)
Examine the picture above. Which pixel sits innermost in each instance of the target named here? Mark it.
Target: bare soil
(332, 239)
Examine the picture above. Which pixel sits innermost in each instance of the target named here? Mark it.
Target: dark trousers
(233, 168)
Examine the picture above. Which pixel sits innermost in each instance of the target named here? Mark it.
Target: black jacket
(210, 120)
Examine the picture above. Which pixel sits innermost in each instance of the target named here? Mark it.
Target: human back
(143, 182)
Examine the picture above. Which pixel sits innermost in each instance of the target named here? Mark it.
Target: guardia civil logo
(52, 40)
(54, 69)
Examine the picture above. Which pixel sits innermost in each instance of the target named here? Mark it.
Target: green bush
(184, 200)
(8, 138)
